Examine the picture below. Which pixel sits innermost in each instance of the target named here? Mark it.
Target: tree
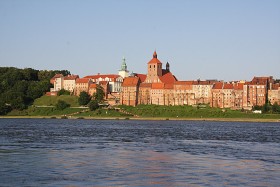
(257, 107)
(275, 108)
(4, 109)
(99, 95)
(61, 105)
(63, 92)
(84, 98)
(93, 105)
(265, 108)
(20, 87)
(30, 74)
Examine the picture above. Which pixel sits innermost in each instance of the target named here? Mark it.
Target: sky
(201, 39)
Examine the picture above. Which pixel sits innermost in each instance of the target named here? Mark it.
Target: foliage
(4, 109)
(61, 105)
(84, 98)
(257, 107)
(268, 108)
(47, 75)
(276, 108)
(99, 95)
(93, 105)
(63, 92)
(20, 87)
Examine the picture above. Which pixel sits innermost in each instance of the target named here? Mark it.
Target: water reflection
(138, 153)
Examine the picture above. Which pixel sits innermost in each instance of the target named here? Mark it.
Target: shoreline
(146, 118)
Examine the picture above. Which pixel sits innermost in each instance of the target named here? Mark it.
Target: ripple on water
(46, 152)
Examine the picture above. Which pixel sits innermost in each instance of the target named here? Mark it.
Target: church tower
(167, 67)
(154, 70)
(123, 72)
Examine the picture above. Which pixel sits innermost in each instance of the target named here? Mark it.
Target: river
(61, 152)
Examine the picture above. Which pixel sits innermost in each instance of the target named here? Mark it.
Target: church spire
(123, 72)
(155, 54)
(124, 66)
(167, 67)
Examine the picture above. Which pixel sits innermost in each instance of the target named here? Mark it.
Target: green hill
(52, 100)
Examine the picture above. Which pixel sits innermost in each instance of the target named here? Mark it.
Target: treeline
(20, 87)
(268, 108)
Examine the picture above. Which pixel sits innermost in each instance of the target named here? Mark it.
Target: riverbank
(144, 118)
(145, 112)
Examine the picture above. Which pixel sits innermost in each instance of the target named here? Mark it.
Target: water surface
(56, 152)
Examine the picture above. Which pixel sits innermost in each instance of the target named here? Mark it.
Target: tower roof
(124, 66)
(155, 55)
(154, 59)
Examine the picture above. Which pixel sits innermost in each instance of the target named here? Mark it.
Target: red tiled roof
(184, 83)
(168, 78)
(82, 80)
(130, 81)
(261, 80)
(247, 83)
(238, 86)
(228, 86)
(71, 77)
(54, 77)
(103, 76)
(57, 76)
(154, 59)
(157, 86)
(218, 85)
(169, 86)
(94, 85)
(141, 76)
(146, 85)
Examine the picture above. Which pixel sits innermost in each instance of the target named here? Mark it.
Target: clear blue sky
(206, 39)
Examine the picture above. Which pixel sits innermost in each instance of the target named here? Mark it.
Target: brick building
(130, 91)
(82, 84)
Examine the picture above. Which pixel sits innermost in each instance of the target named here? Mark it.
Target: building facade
(159, 86)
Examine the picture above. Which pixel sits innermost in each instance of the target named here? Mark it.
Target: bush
(93, 105)
(4, 109)
(61, 105)
(63, 92)
(98, 112)
(84, 98)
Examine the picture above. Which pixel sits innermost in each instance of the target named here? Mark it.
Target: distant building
(82, 85)
(63, 82)
(115, 81)
(69, 82)
(255, 92)
(130, 89)
(274, 94)
(123, 72)
(57, 82)
(160, 87)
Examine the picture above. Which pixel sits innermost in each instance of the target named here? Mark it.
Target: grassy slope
(148, 111)
(191, 112)
(33, 111)
(52, 100)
